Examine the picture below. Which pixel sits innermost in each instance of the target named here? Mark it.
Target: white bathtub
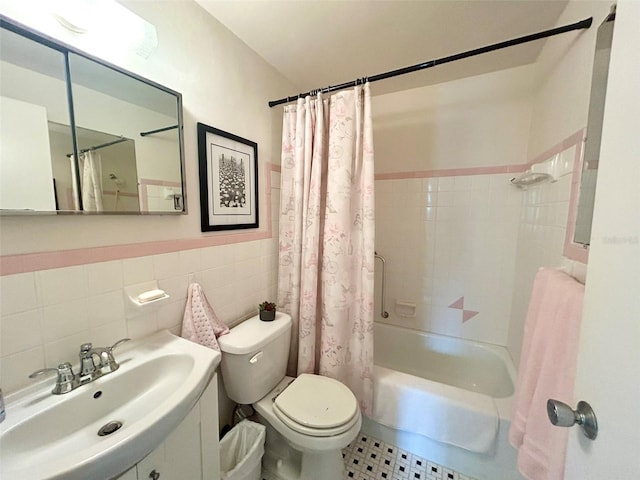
(475, 379)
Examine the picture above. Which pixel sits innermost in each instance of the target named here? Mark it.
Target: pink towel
(200, 323)
(547, 370)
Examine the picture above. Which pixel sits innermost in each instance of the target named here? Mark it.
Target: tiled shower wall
(541, 242)
(46, 315)
(450, 245)
(465, 249)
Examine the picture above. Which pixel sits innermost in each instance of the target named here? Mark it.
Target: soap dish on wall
(405, 309)
(144, 295)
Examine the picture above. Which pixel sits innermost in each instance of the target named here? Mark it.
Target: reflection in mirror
(127, 133)
(115, 162)
(589, 176)
(107, 101)
(32, 97)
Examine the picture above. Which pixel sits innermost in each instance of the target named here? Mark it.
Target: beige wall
(473, 122)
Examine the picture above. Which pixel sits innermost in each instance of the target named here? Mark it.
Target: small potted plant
(267, 311)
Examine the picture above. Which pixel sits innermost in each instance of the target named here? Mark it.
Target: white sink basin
(47, 436)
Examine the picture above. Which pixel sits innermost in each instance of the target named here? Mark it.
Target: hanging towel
(200, 323)
(457, 417)
(547, 370)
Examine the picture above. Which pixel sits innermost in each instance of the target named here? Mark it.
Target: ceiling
(320, 43)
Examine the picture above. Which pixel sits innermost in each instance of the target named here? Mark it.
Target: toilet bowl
(309, 419)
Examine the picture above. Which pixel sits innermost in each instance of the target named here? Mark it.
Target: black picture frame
(228, 166)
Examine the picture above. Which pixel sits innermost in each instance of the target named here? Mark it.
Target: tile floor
(368, 458)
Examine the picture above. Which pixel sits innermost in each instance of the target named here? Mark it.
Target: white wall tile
(65, 349)
(104, 277)
(21, 331)
(445, 199)
(109, 333)
(176, 287)
(446, 321)
(430, 184)
(190, 261)
(480, 182)
(166, 265)
(462, 183)
(137, 270)
(15, 369)
(142, 325)
(446, 184)
(61, 285)
(213, 257)
(18, 293)
(105, 308)
(171, 315)
(65, 319)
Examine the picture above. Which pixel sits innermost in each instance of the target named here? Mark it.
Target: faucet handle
(65, 380)
(118, 343)
(42, 371)
(108, 363)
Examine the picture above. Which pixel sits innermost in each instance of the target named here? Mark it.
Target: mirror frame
(597, 96)
(31, 34)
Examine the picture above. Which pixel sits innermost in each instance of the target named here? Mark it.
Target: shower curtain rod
(586, 23)
(158, 130)
(96, 147)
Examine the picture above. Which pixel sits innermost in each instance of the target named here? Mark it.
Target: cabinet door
(178, 458)
(183, 458)
(153, 466)
(131, 474)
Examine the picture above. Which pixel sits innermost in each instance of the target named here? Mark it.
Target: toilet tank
(254, 357)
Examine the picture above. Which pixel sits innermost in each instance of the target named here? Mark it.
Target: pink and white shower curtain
(326, 261)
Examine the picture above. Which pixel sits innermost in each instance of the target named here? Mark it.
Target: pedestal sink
(47, 436)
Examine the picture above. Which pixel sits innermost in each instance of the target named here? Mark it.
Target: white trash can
(241, 451)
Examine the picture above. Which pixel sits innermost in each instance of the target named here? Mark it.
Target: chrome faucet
(67, 381)
(88, 372)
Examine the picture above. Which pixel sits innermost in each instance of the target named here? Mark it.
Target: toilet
(309, 419)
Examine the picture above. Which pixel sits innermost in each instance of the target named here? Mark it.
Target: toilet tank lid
(253, 334)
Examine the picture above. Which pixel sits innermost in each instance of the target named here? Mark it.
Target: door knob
(562, 415)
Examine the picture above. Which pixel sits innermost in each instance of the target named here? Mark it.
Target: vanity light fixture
(93, 22)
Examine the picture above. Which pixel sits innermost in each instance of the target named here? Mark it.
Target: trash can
(241, 451)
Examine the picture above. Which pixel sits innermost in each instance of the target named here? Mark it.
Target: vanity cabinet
(191, 451)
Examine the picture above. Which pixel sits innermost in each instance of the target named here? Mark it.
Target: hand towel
(200, 323)
(457, 417)
(547, 370)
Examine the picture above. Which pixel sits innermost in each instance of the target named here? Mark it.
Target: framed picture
(228, 180)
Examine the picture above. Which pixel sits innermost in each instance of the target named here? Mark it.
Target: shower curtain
(90, 166)
(326, 259)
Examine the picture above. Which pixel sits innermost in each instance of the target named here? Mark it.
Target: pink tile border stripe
(572, 250)
(31, 262)
(454, 172)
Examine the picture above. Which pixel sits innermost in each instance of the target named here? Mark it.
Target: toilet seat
(317, 406)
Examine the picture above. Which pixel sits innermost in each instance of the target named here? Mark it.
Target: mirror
(584, 217)
(78, 135)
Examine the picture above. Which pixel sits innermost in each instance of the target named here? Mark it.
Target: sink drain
(109, 428)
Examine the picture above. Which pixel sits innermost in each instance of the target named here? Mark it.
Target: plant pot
(267, 315)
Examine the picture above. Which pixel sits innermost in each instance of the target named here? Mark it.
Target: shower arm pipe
(582, 24)
(383, 311)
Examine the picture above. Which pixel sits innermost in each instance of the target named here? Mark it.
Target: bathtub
(423, 379)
